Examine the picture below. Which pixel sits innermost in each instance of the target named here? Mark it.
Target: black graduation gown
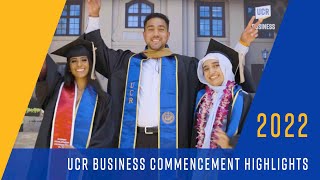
(233, 141)
(47, 92)
(113, 65)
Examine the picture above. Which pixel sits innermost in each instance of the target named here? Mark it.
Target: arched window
(136, 12)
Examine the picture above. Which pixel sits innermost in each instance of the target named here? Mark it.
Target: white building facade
(192, 23)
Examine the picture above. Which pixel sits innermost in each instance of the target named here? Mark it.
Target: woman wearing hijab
(222, 106)
(76, 109)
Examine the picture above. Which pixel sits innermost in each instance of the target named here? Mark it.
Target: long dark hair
(69, 78)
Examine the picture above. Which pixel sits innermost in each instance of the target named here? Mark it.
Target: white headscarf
(226, 68)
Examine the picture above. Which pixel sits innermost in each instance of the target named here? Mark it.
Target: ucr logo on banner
(263, 12)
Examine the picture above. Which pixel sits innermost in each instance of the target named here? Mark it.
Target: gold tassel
(93, 77)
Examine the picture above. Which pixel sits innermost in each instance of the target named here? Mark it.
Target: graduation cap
(79, 47)
(231, 54)
(242, 74)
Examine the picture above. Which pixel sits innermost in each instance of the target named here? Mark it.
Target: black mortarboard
(78, 47)
(217, 47)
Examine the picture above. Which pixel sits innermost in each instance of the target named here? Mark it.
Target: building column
(174, 13)
(236, 20)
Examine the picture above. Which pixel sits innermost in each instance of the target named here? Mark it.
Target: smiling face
(156, 33)
(79, 67)
(212, 72)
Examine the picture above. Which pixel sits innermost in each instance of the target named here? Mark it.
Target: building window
(136, 12)
(211, 19)
(70, 20)
(270, 26)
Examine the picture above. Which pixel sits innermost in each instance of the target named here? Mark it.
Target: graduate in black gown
(153, 92)
(222, 106)
(76, 109)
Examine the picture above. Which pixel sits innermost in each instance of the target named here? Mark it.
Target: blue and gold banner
(128, 131)
(236, 111)
(168, 130)
(85, 118)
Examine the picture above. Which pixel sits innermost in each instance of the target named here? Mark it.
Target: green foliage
(33, 110)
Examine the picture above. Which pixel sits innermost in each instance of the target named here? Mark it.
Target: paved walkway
(26, 140)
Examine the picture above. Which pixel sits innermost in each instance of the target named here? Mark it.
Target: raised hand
(222, 139)
(250, 33)
(94, 7)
